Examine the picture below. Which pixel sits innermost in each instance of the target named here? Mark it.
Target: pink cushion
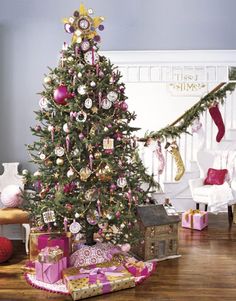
(215, 176)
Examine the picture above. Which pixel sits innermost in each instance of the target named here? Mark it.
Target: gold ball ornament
(48, 162)
(85, 173)
(97, 155)
(59, 161)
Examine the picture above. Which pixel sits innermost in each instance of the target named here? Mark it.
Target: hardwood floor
(206, 271)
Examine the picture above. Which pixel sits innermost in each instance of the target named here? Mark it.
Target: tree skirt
(60, 288)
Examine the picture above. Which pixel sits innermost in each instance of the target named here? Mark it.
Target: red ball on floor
(6, 249)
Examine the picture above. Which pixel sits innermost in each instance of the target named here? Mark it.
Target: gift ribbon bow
(50, 251)
(191, 213)
(98, 274)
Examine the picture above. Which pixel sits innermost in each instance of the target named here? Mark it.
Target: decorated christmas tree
(89, 174)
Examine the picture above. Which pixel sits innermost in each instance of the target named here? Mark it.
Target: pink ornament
(113, 186)
(118, 136)
(73, 115)
(67, 143)
(125, 248)
(69, 206)
(123, 106)
(122, 89)
(118, 214)
(11, 196)
(108, 151)
(81, 136)
(61, 94)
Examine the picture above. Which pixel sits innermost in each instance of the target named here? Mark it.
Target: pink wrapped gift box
(50, 272)
(195, 219)
(47, 240)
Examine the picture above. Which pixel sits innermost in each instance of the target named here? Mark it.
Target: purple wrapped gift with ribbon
(97, 279)
(50, 272)
(49, 240)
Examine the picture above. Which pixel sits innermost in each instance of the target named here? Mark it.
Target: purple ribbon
(99, 274)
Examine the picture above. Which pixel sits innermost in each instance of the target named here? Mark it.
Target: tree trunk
(89, 235)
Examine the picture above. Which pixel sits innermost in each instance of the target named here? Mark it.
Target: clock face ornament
(112, 96)
(88, 103)
(106, 104)
(84, 23)
(91, 57)
(75, 227)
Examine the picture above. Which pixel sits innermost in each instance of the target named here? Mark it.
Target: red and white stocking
(218, 120)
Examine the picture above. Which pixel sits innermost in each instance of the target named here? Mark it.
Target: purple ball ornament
(61, 94)
(97, 38)
(76, 14)
(101, 27)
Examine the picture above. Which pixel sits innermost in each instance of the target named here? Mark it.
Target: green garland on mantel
(181, 124)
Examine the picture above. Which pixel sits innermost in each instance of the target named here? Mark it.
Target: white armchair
(202, 194)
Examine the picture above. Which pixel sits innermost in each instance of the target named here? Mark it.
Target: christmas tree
(89, 174)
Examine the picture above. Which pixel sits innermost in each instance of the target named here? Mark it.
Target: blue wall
(31, 35)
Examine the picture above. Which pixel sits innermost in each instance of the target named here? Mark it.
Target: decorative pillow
(11, 196)
(215, 176)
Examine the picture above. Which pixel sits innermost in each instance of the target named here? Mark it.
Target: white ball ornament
(79, 75)
(70, 173)
(42, 156)
(81, 90)
(76, 152)
(93, 84)
(37, 173)
(66, 128)
(50, 128)
(11, 196)
(77, 215)
(25, 172)
(47, 80)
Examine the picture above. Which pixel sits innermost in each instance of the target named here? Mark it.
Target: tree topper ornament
(83, 26)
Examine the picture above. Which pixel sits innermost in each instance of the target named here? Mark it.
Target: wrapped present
(52, 240)
(50, 272)
(195, 219)
(33, 244)
(87, 255)
(50, 255)
(97, 279)
(135, 267)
